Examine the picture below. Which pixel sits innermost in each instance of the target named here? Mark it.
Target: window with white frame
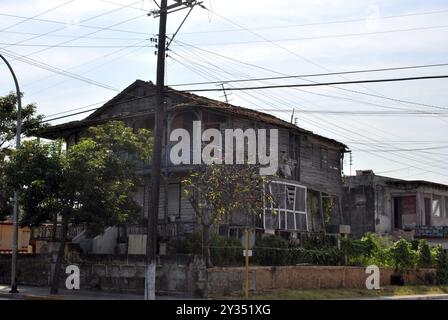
(288, 209)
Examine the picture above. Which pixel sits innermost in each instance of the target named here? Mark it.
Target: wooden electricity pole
(153, 212)
(159, 127)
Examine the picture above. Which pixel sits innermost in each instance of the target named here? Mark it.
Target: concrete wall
(137, 244)
(105, 243)
(31, 269)
(180, 274)
(225, 281)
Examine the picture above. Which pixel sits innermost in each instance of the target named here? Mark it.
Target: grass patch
(322, 294)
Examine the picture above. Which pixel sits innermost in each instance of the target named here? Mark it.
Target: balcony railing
(165, 230)
(431, 232)
(46, 232)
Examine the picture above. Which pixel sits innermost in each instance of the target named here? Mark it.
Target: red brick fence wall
(225, 281)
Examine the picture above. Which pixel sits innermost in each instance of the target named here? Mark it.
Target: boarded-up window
(324, 158)
(174, 199)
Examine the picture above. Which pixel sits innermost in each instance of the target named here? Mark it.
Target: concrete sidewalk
(415, 297)
(43, 293)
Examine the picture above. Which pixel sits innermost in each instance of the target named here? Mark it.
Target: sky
(397, 129)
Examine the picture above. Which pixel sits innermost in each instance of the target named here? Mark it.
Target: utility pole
(351, 162)
(159, 127)
(15, 218)
(153, 211)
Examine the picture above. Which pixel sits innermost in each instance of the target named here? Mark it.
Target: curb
(21, 296)
(417, 297)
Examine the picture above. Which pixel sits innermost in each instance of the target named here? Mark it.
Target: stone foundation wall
(180, 274)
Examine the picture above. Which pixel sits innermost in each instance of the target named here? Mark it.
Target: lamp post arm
(19, 103)
(15, 218)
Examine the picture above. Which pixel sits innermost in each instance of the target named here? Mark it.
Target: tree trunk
(55, 226)
(206, 245)
(58, 264)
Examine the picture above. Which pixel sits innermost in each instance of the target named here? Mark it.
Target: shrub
(403, 256)
(326, 256)
(275, 251)
(424, 255)
(369, 250)
(224, 251)
(190, 244)
(271, 250)
(441, 266)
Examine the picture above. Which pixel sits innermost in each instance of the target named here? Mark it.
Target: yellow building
(6, 231)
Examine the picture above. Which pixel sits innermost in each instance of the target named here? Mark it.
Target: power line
(64, 23)
(50, 117)
(56, 70)
(320, 23)
(314, 75)
(322, 83)
(76, 38)
(290, 51)
(358, 134)
(92, 68)
(310, 92)
(75, 109)
(69, 36)
(283, 74)
(119, 4)
(37, 15)
(344, 35)
(68, 46)
(50, 68)
(402, 150)
(361, 112)
(71, 40)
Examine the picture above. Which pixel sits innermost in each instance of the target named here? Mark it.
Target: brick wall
(225, 281)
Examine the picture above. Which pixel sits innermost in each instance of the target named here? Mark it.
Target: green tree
(441, 266)
(91, 183)
(403, 256)
(31, 123)
(424, 255)
(217, 190)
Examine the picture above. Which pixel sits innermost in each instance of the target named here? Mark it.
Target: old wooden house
(308, 184)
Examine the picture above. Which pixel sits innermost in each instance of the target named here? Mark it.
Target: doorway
(397, 213)
(427, 212)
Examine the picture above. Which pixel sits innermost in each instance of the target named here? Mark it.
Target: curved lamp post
(15, 236)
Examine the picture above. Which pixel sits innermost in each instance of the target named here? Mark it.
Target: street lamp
(15, 219)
